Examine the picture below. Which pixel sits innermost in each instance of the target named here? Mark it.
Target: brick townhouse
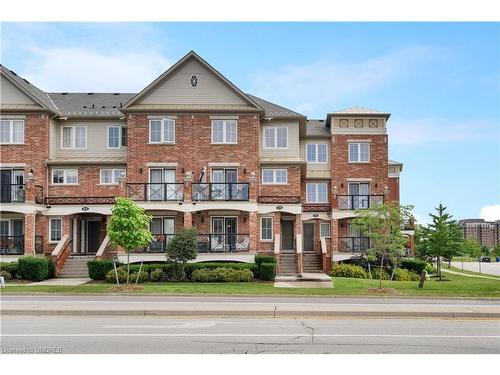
(194, 151)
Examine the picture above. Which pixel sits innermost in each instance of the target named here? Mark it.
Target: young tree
(471, 247)
(182, 248)
(383, 223)
(441, 238)
(128, 227)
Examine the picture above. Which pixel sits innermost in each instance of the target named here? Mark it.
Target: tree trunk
(381, 265)
(439, 266)
(139, 273)
(128, 266)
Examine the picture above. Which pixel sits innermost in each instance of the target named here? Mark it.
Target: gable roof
(274, 110)
(30, 90)
(175, 67)
(78, 104)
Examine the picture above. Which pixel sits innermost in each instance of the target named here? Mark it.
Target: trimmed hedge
(99, 268)
(267, 271)
(10, 267)
(415, 265)
(157, 275)
(401, 274)
(122, 276)
(259, 259)
(221, 275)
(349, 270)
(34, 268)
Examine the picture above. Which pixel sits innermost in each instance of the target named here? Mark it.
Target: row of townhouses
(194, 151)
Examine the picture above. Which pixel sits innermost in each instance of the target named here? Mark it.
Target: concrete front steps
(312, 263)
(76, 266)
(287, 264)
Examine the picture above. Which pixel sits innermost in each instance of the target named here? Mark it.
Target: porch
(17, 238)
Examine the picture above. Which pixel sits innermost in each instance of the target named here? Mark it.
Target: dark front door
(6, 180)
(308, 236)
(287, 235)
(93, 236)
(230, 223)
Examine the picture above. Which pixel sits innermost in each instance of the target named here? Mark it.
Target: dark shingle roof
(317, 128)
(274, 110)
(78, 104)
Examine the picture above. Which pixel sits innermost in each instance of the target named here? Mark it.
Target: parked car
(484, 259)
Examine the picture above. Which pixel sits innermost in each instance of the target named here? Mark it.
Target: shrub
(376, 273)
(360, 261)
(34, 268)
(157, 275)
(6, 275)
(430, 268)
(99, 268)
(122, 275)
(191, 267)
(221, 275)
(183, 248)
(10, 267)
(349, 270)
(259, 259)
(267, 271)
(415, 265)
(401, 274)
(142, 278)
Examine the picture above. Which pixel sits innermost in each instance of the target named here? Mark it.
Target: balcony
(215, 191)
(358, 202)
(155, 192)
(12, 245)
(223, 243)
(354, 244)
(13, 193)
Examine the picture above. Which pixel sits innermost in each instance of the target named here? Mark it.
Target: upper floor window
(11, 131)
(317, 192)
(64, 176)
(274, 176)
(317, 153)
(162, 130)
(111, 176)
(359, 152)
(117, 136)
(74, 137)
(275, 137)
(224, 131)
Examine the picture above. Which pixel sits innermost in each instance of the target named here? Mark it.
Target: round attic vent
(194, 80)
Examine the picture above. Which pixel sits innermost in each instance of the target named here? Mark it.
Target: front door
(308, 229)
(224, 231)
(93, 236)
(287, 235)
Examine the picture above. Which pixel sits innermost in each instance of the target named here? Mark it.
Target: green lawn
(455, 286)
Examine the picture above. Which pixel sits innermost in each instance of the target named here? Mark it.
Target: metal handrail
(11, 245)
(152, 191)
(223, 242)
(220, 191)
(358, 201)
(12, 193)
(354, 244)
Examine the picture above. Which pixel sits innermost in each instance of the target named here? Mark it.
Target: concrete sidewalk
(233, 306)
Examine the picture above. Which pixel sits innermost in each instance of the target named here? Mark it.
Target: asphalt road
(65, 334)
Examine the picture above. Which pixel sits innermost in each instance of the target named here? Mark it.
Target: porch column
(123, 186)
(277, 232)
(29, 191)
(335, 236)
(188, 220)
(29, 233)
(298, 242)
(253, 229)
(253, 186)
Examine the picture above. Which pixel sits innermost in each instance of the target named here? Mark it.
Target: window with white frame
(274, 176)
(317, 153)
(275, 137)
(266, 228)
(55, 229)
(162, 130)
(73, 137)
(324, 229)
(317, 192)
(64, 176)
(111, 176)
(359, 152)
(117, 136)
(11, 131)
(224, 131)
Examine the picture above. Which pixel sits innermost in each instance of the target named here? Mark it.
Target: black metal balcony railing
(359, 202)
(55, 201)
(153, 192)
(354, 244)
(159, 243)
(12, 245)
(223, 243)
(38, 194)
(215, 191)
(283, 199)
(12, 193)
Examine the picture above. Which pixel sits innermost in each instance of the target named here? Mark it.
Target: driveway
(486, 268)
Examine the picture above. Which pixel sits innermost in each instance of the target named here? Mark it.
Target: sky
(440, 81)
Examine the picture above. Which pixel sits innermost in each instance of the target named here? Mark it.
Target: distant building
(487, 233)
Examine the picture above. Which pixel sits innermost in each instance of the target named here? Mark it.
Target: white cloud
(490, 213)
(318, 84)
(433, 130)
(86, 70)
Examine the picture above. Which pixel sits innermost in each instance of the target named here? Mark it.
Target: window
(274, 176)
(266, 228)
(359, 152)
(275, 137)
(324, 229)
(55, 229)
(11, 131)
(316, 153)
(117, 136)
(224, 131)
(65, 176)
(73, 137)
(162, 130)
(317, 192)
(111, 176)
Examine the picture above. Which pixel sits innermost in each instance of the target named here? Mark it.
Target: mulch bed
(125, 288)
(390, 291)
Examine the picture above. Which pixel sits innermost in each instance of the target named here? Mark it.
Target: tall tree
(129, 227)
(383, 223)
